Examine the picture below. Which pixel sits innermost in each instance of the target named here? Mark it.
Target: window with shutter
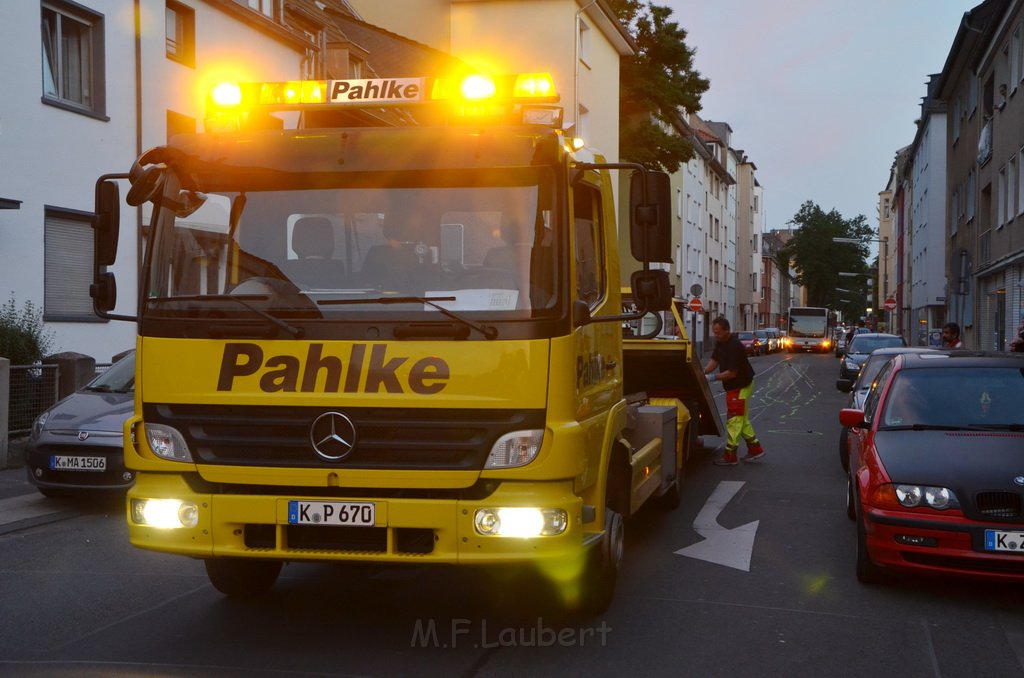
(67, 267)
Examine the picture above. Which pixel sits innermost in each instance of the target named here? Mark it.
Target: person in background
(951, 336)
(737, 376)
(853, 331)
(1017, 345)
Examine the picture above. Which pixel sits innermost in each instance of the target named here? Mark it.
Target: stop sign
(695, 305)
(890, 304)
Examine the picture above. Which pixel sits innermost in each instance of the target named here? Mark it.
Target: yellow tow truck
(380, 321)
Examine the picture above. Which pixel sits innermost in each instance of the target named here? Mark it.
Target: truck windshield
(303, 253)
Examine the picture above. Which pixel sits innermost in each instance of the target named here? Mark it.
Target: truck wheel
(242, 578)
(603, 564)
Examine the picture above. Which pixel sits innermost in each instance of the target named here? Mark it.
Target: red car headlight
(900, 496)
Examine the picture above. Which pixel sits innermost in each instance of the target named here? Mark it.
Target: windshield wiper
(489, 331)
(296, 332)
(996, 427)
(923, 427)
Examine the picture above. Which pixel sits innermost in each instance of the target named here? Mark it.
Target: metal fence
(33, 390)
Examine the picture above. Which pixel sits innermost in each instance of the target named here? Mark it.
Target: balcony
(984, 248)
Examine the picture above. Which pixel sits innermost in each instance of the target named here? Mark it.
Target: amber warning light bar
(471, 95)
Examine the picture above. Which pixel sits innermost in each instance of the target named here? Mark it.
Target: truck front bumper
(404, 529)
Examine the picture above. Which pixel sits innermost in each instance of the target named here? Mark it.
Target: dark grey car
(860, 347)
(77, 446)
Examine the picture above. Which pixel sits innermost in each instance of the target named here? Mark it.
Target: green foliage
(655, 84)
(24, 339)
(818, 260)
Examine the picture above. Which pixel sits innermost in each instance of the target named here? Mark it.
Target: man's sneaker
(754, 455)
(727, 459)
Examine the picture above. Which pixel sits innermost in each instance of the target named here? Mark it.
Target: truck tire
(242, 577)
(597, 588)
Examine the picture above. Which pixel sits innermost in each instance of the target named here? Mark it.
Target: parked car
(750, 342)
(935, 482)
(860, 347)
(765, 340)
(76, 446)
(860, 388)
(839, 341)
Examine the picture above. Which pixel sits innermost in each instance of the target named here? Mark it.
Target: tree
(655, 83)
(818, 260)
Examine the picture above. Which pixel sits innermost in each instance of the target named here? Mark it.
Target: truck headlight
(167, 443)
(520, 522)
(518, 448)
(165, 513)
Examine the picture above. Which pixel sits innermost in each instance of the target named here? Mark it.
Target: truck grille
(408, 439)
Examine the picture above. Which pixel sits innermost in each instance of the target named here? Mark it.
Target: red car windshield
(984, 398)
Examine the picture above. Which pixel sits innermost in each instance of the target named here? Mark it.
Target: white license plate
(66, 463)
(352, 513)
(1000, 540)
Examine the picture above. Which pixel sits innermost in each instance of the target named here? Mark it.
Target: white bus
(809, 329)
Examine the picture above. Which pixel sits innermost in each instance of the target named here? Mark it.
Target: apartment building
(982, 83)
(921, 246)
(749, 230)
(119, 78)
(85, 100)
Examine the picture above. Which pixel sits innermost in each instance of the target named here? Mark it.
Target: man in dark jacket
(737, 376)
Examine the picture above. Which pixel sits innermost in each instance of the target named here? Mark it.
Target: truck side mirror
(650, 216)
(106, 222)
(652, 290)
(103, 293)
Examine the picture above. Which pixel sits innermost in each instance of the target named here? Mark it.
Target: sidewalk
(13, 482)
(15, 453)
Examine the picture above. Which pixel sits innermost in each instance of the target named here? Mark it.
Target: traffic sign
(890, 304)
(695, 305)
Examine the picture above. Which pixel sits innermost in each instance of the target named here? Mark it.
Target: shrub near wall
(23, 336)
(24, 340)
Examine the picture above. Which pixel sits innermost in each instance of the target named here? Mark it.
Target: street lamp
(885, 259)
(885, 267)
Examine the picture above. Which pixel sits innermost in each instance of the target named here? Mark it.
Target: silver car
(76, 446)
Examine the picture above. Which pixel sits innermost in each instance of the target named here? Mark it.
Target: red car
(751, 343)
(936, 479)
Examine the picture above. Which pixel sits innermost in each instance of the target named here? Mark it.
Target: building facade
(981, 84)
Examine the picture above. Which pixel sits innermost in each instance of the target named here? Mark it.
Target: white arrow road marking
(722, 546)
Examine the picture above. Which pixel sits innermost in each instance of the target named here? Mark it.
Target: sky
(820, 94)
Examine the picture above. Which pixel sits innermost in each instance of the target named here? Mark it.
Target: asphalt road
(78, 600)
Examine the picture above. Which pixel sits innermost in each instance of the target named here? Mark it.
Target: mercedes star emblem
(1019, 480)
(333, 436)
(83, 435)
